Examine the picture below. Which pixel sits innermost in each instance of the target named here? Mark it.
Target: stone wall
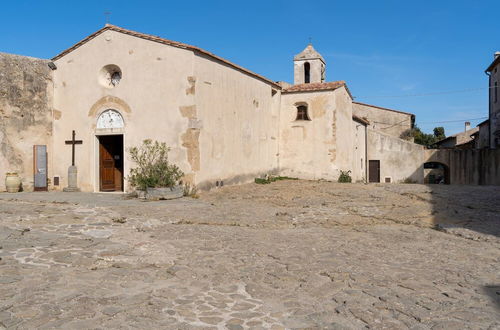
(25, 112)
(391, 122)
(400, 160)
(477, 167)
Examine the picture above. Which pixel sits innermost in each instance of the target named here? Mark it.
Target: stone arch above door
(109, 102)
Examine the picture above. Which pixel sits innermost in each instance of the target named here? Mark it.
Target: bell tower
(308, 67)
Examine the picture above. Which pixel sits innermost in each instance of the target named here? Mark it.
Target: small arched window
(307, 73)
(302, 113)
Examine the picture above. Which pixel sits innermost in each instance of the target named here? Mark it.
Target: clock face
(110, 119)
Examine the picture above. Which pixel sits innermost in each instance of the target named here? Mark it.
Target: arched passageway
(436, 173)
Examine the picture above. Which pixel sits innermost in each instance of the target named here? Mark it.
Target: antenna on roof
(310, 41)
(107, 14)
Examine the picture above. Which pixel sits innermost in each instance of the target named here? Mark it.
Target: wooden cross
(73, 142)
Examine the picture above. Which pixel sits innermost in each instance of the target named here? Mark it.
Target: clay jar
(12, 182)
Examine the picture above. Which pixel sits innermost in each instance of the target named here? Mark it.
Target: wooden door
(374, 171)
(106, 165)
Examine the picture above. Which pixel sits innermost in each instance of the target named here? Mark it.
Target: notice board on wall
(40, 167)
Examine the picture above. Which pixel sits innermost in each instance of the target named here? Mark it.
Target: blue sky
(387, 51)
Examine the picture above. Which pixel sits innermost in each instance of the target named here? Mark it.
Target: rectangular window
(496, 92)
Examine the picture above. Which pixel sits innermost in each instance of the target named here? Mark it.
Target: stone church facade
(223, 123)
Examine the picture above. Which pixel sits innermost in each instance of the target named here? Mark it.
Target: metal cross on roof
(107, 14)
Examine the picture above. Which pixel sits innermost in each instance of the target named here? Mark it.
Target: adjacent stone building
(224, 123)
(494, 102)
(482, 136)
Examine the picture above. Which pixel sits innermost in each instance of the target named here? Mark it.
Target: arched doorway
(436, 173)
(109, 133)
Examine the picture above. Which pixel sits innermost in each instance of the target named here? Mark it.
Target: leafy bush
(269, 179)
(153, 168)
(345, 177)
(409, 181)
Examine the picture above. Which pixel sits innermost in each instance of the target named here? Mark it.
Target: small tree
(153, 168)
(439, 133)
(423, 138)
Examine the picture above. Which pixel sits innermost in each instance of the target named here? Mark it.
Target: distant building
(462, 140)
(494, 102)
(482, 136)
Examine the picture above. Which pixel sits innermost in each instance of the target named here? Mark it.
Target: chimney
(467, 126)
(497, 54)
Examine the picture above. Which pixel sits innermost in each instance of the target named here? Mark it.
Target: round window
(110, 76)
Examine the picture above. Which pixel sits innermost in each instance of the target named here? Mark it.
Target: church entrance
(111, 163)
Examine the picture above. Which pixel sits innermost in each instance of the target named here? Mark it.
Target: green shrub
(269, 179)
(409, 181)
(345, 177)
(153, 168)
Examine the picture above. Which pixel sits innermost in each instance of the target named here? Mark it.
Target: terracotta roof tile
(312, 87)
(361, 120)
(165, 42)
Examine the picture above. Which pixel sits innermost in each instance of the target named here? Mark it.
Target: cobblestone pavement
(291, 254)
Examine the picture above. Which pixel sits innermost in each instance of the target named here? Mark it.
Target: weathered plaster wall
(319, 148)
(480, 167)
(399, 159)
(359, 152)
(238, 117)
(25, 112)
(386, 121)
(155, 98)
(221, 123)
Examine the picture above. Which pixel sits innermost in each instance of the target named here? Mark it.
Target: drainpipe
(278, 138)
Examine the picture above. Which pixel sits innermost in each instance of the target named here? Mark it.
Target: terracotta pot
(12, 182)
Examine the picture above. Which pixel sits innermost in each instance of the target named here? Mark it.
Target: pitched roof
(314, 87)
(309, 53)
(363, 121)
(484, 122)
(165, 42)
(466, 134)
(375, 106)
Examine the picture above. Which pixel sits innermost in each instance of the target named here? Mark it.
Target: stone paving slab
(289, 255)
